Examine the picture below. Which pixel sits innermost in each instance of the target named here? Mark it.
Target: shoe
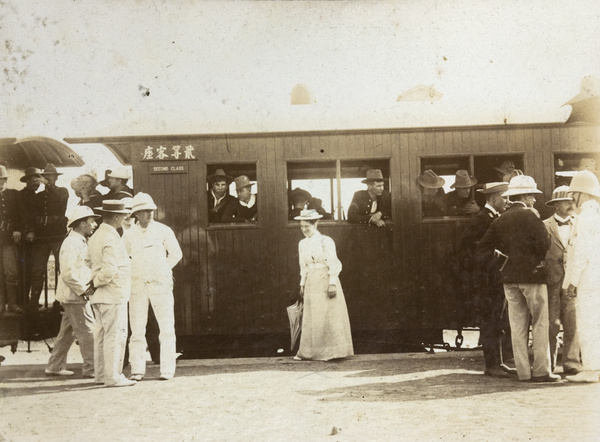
(586, 376)
(89, 376)
(571, 371)
(548, 378)
(296, 358)
(509, 370)
(165, 377)
(495, 371)
(136, 377)
(123, 383)
(62, 372)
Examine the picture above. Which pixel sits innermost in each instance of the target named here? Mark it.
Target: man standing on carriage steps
(480, 277)
(521, 236)
(154, 251)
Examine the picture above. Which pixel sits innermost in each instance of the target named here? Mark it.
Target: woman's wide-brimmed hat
(142, 201)
(219, 174)
(307, 215)
(463, 180)
(373, 175)
(80, 212)
(31, 171)
(561, 193)
(298, 192)
(113, 206)
(521, 185)
(430, 180)
(585, 181)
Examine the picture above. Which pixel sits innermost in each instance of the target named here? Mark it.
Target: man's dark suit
(360, 208)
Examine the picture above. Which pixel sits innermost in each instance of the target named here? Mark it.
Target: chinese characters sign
(162, 153)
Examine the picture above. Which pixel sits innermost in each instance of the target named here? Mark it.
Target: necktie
(565, 223)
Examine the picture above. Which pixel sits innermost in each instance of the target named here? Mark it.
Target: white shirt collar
(491, 209)
(250, 202)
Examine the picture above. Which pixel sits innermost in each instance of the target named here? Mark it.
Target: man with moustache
(73, 291)
(561, 309)
(480, 274)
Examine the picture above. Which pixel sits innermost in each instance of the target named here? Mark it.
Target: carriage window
(311, 185)
(448, 184)
(353, 177)
(232, 193)
(567, 165)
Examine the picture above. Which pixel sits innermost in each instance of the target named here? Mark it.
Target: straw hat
(585, 181)
(307, 215)
(142, 201)
(373, 175)
(494, 187)
(80, 212)
(430, 180)
(219, 174)
(521, 185)
(561, 193)
(113, 206)
(463, 180)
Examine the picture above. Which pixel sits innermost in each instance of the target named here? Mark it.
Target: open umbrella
(294, 312)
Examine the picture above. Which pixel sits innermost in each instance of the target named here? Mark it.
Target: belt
(45, 220)
(317, 265)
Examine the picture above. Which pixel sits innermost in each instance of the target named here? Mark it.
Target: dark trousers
(494, 326)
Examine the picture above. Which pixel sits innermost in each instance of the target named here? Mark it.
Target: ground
(411, 396)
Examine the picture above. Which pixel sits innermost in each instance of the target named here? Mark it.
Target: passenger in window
(433, 198)
(371, 206)
(507, 170)
(461, 200)
(302, 200)
(218, 197)
(244, 210)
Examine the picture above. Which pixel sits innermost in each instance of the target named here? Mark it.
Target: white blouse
(318, 251)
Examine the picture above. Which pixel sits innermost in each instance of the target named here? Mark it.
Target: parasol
(294, 312)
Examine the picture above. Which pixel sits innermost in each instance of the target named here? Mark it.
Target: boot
(12, 291)
(36, 292)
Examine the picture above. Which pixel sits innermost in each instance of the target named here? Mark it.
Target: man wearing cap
(244, 210)
(111, 277)
(302, 200)
(50, 229)
(522, 236)
(481, 275)
(371, 206)
(10, 235)
(73, 291)
(561, 309)
(117, 182)
(433, 198)
(582, 274)
(218, 196)
(460, 201)
(154, 251)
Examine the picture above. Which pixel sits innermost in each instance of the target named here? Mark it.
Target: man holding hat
(582, 275)
(244, 210)
(50, 229)
(10, 235)
(154, 251)
(218, 196)
(481, 275)
(371, 206)
(561, 309)
(111, 277)
(117, 182)
(460, 201)
(73, 291)
(521, 235)
(433, 198)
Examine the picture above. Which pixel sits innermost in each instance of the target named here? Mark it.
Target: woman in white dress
(325, 323)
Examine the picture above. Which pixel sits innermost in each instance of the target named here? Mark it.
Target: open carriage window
(353, 179)
(568, 164)
(312, 185)
(232, 193)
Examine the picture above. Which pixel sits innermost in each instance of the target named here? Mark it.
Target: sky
(114, 68)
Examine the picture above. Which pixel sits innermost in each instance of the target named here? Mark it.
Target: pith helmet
(585, 181)
(521, 185)
(561, 193)
(142, 201)
(80, 212)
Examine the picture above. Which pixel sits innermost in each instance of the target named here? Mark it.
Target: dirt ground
(387, 397)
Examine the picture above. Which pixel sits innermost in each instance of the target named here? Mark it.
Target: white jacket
(75, 270)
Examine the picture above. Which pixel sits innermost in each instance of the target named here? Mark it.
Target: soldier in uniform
(50, 229)
(460, 201)
(9, 235)
(371, 206)
(245, 209)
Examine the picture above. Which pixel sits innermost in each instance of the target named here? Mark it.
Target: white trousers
(161, 299)
(110, 338)
(525, 300)
(77, 323)
(588, 327)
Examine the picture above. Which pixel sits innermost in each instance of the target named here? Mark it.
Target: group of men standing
(547, 271)
(105, 265)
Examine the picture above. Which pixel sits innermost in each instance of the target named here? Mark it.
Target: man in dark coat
(218, 195)
(480, 276)
(117, 181)
(245, 209)
(521, 236)
(460, 201)
(371, 206)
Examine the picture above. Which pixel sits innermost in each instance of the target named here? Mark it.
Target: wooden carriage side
(236, 280)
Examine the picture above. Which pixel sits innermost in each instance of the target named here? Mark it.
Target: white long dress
(325, 324)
